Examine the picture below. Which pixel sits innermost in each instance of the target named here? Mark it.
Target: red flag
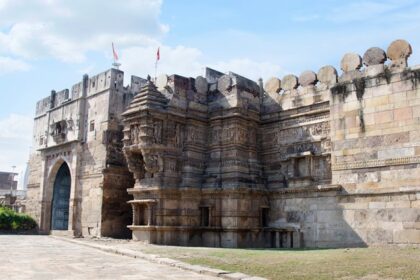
(114, 52)
(158, 54)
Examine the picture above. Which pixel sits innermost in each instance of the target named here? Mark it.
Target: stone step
(67, 233)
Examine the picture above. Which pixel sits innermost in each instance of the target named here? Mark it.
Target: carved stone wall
(319, 160)
(82, 129)
(311, 161)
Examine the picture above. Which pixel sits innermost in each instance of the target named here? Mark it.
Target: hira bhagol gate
(319, 160)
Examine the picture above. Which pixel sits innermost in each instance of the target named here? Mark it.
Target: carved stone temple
(319, 160)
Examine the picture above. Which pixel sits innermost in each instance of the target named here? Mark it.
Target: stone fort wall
(81, 128)
(319, 160)
(367, 143)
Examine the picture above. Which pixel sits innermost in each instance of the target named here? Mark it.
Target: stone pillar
(297, 239)
(135, 214)
(149, 216)
(278, 239)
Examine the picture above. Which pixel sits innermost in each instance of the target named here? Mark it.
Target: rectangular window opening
(265, 216)
(205, 216)
(92, 126)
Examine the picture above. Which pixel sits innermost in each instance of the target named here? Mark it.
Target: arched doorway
(61, 197)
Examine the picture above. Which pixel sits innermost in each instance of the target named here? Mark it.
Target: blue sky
(50, 44)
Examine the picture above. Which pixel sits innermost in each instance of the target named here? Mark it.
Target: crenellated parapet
(221, 160)
(374, 121)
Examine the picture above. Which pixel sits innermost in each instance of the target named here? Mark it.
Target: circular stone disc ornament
(201, 84)
(399, 49)
(273, 85)
(374, 56)
(351, 62)
(289, 82)
(162, 81)
(224, 83)
(327, 75)
(307, 78)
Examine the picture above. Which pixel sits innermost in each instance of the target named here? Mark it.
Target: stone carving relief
(301, 133)
(231, 134)
(153, 163)
(134, 134)
(174, 133)
(195, 135)
(157, 131)
(135, 164)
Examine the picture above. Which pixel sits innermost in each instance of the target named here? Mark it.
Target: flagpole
(156, 62)
(156, 70)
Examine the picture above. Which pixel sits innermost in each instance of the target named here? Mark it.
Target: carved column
(150, 214)
(135, 214)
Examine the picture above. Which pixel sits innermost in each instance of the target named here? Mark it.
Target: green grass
(365, 263)
(13, 221)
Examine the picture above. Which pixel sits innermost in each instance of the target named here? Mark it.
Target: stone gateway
(315, 160)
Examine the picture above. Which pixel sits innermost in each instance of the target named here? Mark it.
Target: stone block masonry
(311, 160)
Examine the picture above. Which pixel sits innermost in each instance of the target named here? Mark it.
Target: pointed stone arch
(61, 199)
(49, 212)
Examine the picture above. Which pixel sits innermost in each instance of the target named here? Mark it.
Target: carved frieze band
(299, 121)
(376, 163)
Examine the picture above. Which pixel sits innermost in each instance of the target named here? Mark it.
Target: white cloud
(8, 65)
(140, 61)
(15, 140)
(249, 68)
(16, 126)
(181, 60)
(362, 10)
(67, 30)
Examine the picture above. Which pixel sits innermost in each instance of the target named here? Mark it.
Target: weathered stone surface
(374, 70)
(307, 78)
(162, 81)
(289, 82)
(399, 51)
(201, 85)
(51, 257)
(273, 85)
(351, 62)
(327, 75)
(331, 165)
(224, 83)
(374, 56)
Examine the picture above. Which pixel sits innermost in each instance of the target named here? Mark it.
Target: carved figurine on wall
(157, 132)
(153, 163)
(135, 164)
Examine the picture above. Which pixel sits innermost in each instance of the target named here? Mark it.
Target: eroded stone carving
(351, 62)
(289, 82)
(327, 75)
(153, 162)
(273, 85)
(374, 56)
(307, 78)
(399, 51)
(224, 84)
(201, 85)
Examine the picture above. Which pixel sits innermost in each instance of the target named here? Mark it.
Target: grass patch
(357, 263)
(13, 221)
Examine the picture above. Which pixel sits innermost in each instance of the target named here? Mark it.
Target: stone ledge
(375, 163)
(165, 261)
